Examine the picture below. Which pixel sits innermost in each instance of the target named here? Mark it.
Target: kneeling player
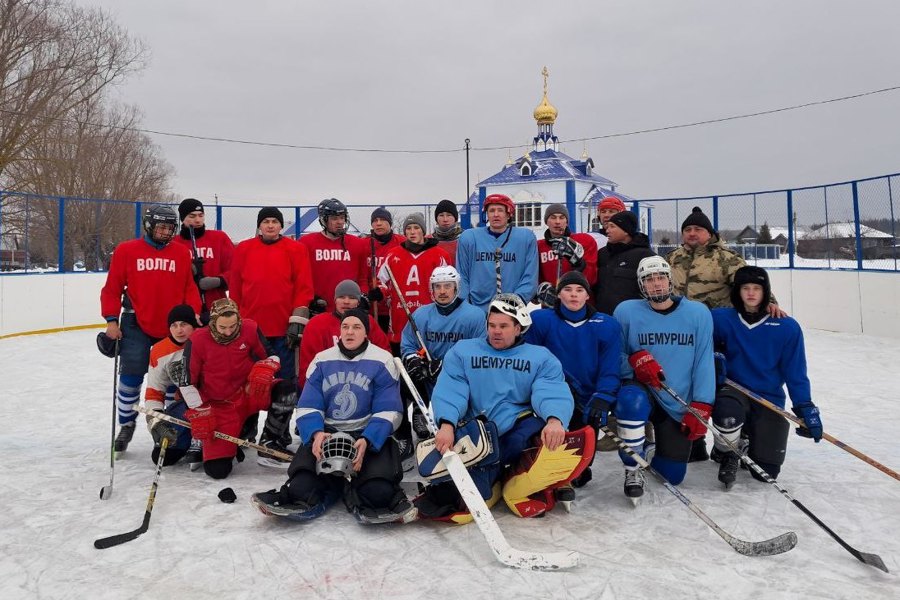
(520, 387)
(671, 333)
(763, 353)
(351, 390)
(231, 380)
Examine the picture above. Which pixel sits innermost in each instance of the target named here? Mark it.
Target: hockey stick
(870, 559)
(121, 538)
(107, 490)
(770, 547)
(222, 436)
(405, 307)
(374, 269)
(498, 255)
(203, 306)
(501, 548)
(797, 421)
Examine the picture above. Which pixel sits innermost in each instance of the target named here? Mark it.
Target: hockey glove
(375, 294)
(546, 295)
(434, 369)
(364, 304)
(296, 324)
(721, 369)
(691, 425)
(568, 249)
(317, 306)
(596, 412)
(262, 377)
(812, 423)
(646, 369)
(160, 430)
(416, 367)
(210, 283)
(197, 267)
(203, 422)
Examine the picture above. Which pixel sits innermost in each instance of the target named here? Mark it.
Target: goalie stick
(501, 548)
(107, 490)
(770, 547)
(121, 538)
(774, 407)
(872, 560)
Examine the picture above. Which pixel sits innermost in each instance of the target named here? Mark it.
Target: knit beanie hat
(446, 206)
(698, 219)
(611, 202)
(555, 209)
(416, 218)
(382, 213)
(347, 287)
(626, 220)
(182, 312)
(269, 212)
(359, 314)
(573, 278)
(187, 206)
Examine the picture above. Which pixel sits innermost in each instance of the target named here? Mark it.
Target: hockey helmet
(512, 305)
(653, 265)
(159, 214)
(446, 274)
(331, 207)
(106, 345)
(338, 454)
(502, 200)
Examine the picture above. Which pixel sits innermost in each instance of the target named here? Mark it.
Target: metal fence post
(715, 203)
(790, 223)
(297, 231)
(137, 219)
(859, 248)
(61, 239)
(218, 217)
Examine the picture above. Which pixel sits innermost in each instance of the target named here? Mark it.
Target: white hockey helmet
(446, 274)
(653, 265)
(512, 305)
(338, 454)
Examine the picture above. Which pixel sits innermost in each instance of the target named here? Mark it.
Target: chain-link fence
(850, 225)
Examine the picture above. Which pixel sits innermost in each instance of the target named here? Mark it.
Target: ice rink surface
(55, 411)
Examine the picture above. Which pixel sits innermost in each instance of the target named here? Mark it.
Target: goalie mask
(650, 267)
(338, 454)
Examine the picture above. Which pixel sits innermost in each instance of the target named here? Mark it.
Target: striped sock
(632, 433)
(127, 395)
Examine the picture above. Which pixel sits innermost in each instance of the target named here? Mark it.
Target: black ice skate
(728, 469)
(634, 484)
(126, 432)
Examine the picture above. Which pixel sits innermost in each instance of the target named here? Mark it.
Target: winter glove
(691, 425)
(160, 430)
(416, 367)
(262, 377)
(210, 283)
(375, 294)
(812, 423)
(296, 324)
(203, 422)
(317, 306)
(721, 369)
(646, 369)
(596, 411)
(434, 369)
(546, 295)
(568, 249)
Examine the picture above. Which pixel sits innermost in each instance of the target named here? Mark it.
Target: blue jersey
(500, 384)
(763, 356)
(440, 331)
(477, 269)
(681, 342)
(590, 351)
(351, 394)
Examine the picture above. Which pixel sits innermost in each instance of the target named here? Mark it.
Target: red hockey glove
(646, 369)
(691, 426)
(262, 377)
(203, 422)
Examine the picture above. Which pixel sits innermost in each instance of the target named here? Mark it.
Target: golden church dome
(545, 113)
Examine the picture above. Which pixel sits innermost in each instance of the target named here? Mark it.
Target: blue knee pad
(632, 404)
(673, 470)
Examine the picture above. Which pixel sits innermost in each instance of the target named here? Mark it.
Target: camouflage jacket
(705, 274)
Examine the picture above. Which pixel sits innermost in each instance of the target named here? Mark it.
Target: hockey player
(605, 209)
(214, 250)
(335, 255)
(497, 258)
(561, 251)
(324, 330)
(447, 229)
(670, 334)
(588, 344)
(381, 240)
(232, 377)
(411, 264)
(351, 388)
(146, 278)
(763, 354)
(520, 388)
(165, 375)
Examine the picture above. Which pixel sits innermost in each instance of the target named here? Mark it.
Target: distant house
(838, 240)
(748, 235)
(12, 254)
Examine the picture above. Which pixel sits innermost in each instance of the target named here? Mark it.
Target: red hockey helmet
(504, 201)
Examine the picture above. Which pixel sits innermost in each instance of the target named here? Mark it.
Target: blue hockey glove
(596, 412)
(809, 412)
(721, 369)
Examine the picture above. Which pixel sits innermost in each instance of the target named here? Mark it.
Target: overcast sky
(417, 74)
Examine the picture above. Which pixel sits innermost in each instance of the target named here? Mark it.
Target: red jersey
(381, 250)
(154, 280)
(336, 260)
(268, 281)
(218, 371)
(322, 332)
(216, 250)
(449, 247)
(547, 266)
(412, 272)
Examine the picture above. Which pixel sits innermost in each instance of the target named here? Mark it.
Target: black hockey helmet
(331, 207)
(106, 345)
(159, 214)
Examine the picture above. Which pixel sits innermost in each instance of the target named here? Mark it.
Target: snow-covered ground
(55, 410)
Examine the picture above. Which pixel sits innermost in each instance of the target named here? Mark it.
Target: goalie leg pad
(528, 490)
(442, 502)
